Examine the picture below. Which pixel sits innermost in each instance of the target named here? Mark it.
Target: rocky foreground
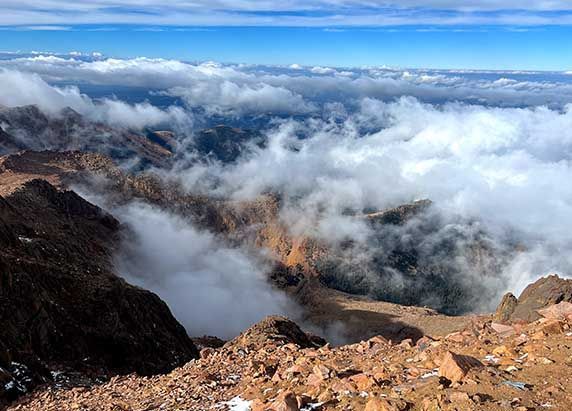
(275, 366)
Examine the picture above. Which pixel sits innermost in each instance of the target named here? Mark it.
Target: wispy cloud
(314, 13)
(37, 28)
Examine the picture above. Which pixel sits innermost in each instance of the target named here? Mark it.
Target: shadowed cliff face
(62, 306)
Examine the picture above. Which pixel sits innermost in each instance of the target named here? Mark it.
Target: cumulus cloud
(25, 88)
(227, 96)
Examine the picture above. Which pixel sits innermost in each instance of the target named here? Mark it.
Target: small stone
(377, 404)
(550, 326)
(503, 351)
(207, 352)
(503, 330)
(459, 396)
(322, 372)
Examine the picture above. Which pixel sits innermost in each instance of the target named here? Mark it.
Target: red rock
(286, 401)
(362, 381)
(322, 372)
(560, 311)
(551, 326)
(377, 404)
(459, 396)
(456, 337)
(206, 352)
(455, 367)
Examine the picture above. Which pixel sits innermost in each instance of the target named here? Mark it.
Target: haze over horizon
(501, 34)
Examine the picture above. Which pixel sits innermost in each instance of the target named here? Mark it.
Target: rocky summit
(275, 366)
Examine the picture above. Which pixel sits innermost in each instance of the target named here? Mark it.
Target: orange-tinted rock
(362, 381)
(455, 367)
(503, 330)
(322, 372)
(551, 326)
(377, 404)
(286, 401)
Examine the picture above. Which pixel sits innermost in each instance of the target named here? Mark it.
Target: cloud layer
(489, 148)
(506, 168)
(250, 89)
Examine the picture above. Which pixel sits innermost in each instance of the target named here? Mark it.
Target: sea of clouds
(487, 147)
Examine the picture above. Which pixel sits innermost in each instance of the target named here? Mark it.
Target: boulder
(455, 367)
(560, 311)
(286, 401)
(506, 308)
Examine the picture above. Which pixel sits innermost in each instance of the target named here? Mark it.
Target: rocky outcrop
(275, 330)
(543, 293)
(506, 308)
(61, 305)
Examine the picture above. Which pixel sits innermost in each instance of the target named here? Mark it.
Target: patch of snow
(491, 358)
(311, 407)
(238, 404)
(430, 374)
(25, 239)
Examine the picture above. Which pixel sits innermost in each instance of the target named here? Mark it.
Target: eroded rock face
(61, 305)
(543, 293)
(506, 307)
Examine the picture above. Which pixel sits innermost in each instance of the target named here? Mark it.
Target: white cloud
(489, 146)
(212, 289)
(508, 168)
(264, 89)
(24, 89)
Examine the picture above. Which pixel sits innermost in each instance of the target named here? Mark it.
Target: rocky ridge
(274, 367)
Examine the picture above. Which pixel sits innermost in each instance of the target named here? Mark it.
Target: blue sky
(484, 34)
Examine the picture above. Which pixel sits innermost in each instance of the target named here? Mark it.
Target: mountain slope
(61, 305)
